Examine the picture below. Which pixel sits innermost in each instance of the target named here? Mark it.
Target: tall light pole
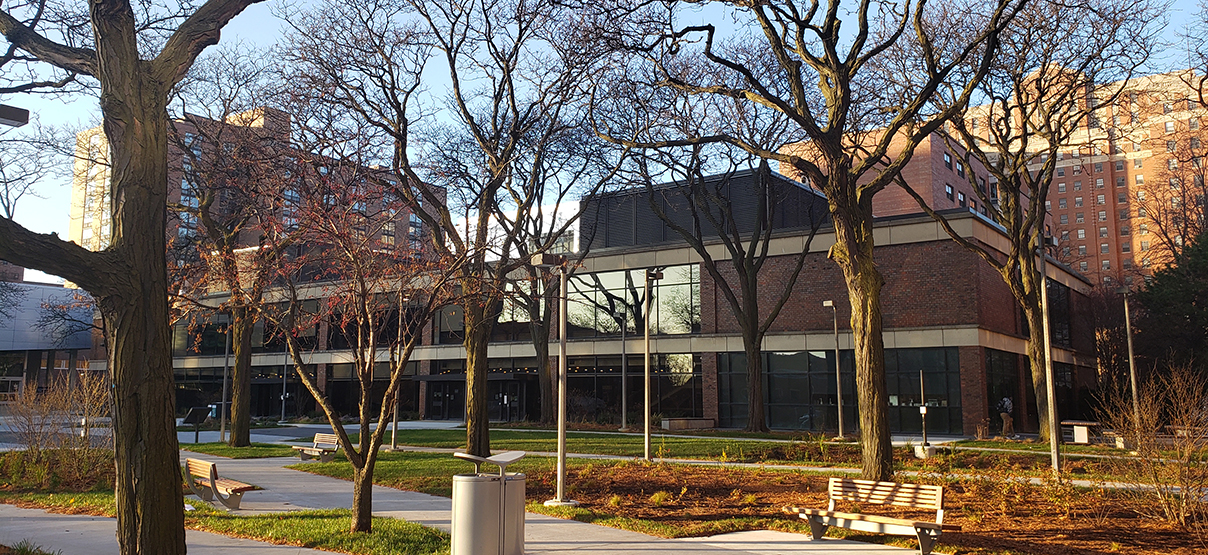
(552, 261)
(284, 388)
(838, 374)
(651, 275)
(1132, 365)
(1050, 386)
(624, 370)
(226, 369)
(13, 116)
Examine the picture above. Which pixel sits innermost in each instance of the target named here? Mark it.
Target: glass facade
(593, 388)
(799, 390)
(598, 304)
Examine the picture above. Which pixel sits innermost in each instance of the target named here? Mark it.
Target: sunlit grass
(253, 451)
(326, 529)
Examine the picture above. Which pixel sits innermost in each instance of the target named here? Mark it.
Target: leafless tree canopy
(483, 103)
(813, 86)
(1043, 95)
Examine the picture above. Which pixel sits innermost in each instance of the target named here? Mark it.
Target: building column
(709, 382)
(975, 408)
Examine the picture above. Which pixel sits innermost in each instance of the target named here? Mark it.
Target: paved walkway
(286, 490)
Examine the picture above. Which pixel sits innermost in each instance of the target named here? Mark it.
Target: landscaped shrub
(64, 430)
(1169, 446)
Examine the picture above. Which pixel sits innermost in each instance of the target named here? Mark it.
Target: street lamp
(547, 261)
(284, 389)
(1132, 365)
(838, 374)
(226, 369)
(651, 275)
(13, 116)
(1050, 387)
(624, 369)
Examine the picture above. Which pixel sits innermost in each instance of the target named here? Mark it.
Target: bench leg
(303, 455)
(202, 492)
(327, 456)
(817, 528)
(231, 501)
(927, 539)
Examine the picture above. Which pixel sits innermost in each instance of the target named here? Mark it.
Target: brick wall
(937, 283)
(974, 406)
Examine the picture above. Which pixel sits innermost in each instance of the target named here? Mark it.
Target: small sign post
(196, 416)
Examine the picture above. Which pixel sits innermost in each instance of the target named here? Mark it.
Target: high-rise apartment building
(1128, 187)
(236, 162)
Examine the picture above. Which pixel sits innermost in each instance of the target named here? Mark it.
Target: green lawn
(1036, 447)
(325, 529)
(321, 529)
(430, 473)
(712, 448)
(253, 451)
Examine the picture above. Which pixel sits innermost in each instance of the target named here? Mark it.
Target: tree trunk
(135, 310)
(1036, 357)
(853, 250)
(478, 334)
(362, 496)
(756, 418)
(545, 373)
(241, 378)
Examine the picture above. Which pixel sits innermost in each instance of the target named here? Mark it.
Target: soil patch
(994, 517)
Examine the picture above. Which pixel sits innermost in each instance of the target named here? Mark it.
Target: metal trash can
(488, 509)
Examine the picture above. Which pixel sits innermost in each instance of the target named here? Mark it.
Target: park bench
(1081, 430)
(204, 481)
(866, 492)
(687, 423)
(324, 448)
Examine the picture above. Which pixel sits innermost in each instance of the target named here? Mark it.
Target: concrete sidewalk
(286, 490)
(291, 490)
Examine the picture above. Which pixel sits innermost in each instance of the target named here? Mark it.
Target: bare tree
(238, 174)
(136, 55)
(24, 163)
(378, 297)
(704, 208)
(1171, 208)
(789, 74)
(1046, 93)
(491, 138)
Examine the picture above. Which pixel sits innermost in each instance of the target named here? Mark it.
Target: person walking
(1005, 409)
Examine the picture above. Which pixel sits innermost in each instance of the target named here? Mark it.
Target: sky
(259, 27)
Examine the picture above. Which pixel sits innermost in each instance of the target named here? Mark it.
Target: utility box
(488, 509)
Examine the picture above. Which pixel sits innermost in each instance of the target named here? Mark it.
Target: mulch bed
(994, 518)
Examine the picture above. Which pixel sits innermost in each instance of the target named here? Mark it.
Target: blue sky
(258, 26)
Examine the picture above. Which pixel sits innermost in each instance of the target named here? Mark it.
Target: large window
(799, 389)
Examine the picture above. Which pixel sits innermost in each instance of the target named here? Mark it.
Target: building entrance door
(446, 400)
(10, 388)
(507, 402)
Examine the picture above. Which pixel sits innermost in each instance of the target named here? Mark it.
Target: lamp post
(552, 261)
(226, 369)
(1132, 365)
(284, 389)
(1050, 386)
(838, 374)
(13, 116)
(624, 370)
(651, 275)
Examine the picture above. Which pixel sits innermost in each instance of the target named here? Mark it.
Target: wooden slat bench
(204, 481)
(913, 496)
(324, 448)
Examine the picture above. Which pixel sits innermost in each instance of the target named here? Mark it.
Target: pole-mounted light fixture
(547, 262)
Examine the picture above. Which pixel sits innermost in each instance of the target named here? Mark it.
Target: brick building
(235, 159)
(946, 313)
(1129, 187)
